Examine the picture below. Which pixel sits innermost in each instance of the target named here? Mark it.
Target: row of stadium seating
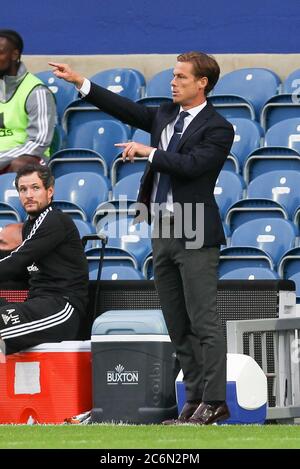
(236, 262)
(259, 233)
(257, 93)
(273, 194)
(91, 134)
(92, 143)
(269, 172)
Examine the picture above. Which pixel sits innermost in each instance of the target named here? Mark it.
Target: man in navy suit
(190, 142)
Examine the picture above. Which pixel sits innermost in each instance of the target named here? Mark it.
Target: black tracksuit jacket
(52, 253)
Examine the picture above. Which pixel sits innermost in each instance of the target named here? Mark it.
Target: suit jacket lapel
(164, 121)
(196, 123)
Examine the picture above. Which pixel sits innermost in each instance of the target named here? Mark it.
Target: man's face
(8, 57)
(33, 195)
(187, 90)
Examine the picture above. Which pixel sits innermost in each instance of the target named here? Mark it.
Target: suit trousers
(186, 282)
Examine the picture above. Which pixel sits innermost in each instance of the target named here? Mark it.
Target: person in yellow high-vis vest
(27, 109)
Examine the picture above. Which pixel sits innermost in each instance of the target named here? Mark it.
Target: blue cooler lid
(130, 322)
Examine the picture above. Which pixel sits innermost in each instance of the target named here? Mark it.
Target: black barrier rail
(236, 299)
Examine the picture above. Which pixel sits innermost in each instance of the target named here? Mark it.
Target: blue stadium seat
(83, 227)
(76, 160)
(160, 83)
(251, 273)
(8, 212)
(289, 267)
(227, 234)
(231, 106)
(289, 263)
(279, 108)
(292, 83)
(281, 186)
(273, 235)
(141, 136)
(63, 91)
(79, 112)
(247, 137)
(296, 278)
(232, 164)
(127, 187)
(147, 267)
(119, 169)
(112, 210)
(122, 81)
(285, 133)
(267, 159)
(297, 217)
(113, 256)
(80, 193)
(120, 272)
(9, 194)
(228, 189)
(158, 88)
(254, 85)
(122, 233)
(238, 257)
(99, 136)
(251, 209)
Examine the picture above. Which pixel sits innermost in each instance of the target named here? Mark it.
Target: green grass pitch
(149, 437)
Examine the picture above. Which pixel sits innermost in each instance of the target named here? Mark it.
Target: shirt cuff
(150, 157)
(86, 87)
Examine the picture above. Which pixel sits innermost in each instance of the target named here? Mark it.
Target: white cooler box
(246, 391)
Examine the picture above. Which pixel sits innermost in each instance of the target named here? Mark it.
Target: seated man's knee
(21, 161)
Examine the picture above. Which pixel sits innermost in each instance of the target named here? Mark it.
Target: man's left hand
(134, 149)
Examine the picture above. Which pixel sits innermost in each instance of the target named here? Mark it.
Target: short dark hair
(44, 174)
(14, 38)
(204, 65)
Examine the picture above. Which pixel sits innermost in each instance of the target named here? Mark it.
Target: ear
(15, 55)
(50, 193)
(203, 82)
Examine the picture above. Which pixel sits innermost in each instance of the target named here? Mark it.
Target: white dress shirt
(86, 87)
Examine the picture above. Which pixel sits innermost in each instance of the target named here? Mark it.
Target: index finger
(57, 65)
(121, 144)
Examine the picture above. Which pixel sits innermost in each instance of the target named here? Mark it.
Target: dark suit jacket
(194, 167)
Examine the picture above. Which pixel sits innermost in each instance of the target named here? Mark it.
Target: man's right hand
(64, 71)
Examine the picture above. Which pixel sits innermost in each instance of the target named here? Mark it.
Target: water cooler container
(133, 368)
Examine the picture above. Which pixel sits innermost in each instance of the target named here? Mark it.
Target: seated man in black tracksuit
(52, 253)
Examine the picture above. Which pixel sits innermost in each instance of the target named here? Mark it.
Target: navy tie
(164, 183)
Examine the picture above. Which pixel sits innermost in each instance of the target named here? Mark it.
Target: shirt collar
(195, 110)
